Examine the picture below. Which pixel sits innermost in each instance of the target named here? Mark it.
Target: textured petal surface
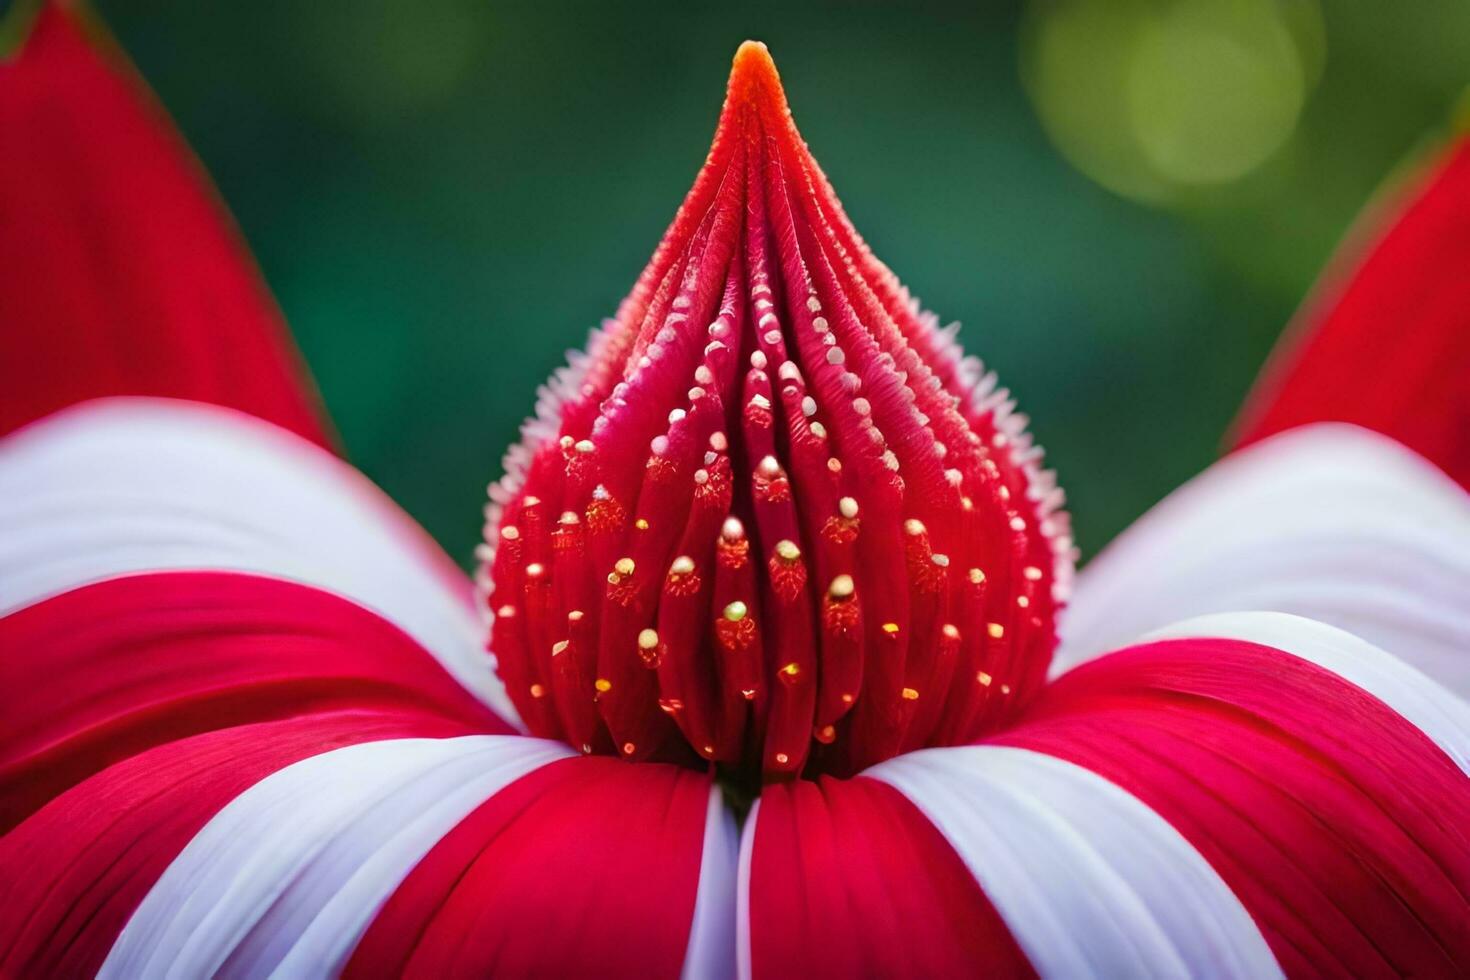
(289, 875)
(1385, 341)
(586, 867)
(121, 273)
(122, 486)
(217, 773)
(74, 872)
(1259, 794)
(1427, 705)
(846, 878)
(1331, 522)
(98, 674)
(1339, 824)
(1091, 881)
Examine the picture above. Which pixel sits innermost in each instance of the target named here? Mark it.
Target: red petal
(848, 878)
(585, 867)
(101, 673)
(76, 870)
(1338, 823)
(120, 271)
(1385, 340)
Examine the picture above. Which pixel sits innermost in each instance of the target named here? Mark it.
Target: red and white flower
(776, 581)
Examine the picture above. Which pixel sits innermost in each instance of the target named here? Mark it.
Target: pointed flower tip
(773, 518)
(754, 72)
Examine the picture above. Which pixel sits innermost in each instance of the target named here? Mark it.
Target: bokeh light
(1152, 97)
(446, 194)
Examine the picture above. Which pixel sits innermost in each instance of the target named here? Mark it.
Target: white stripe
(128, 485)
(1330, 522)
(286, 878)
(711, 951)
(1439, 714)
(742, 894)
(1090, 881)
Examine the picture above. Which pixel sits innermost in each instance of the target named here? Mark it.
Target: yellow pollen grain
(1022, 601)
(842, 587)
(624, 566)
(847, 699)
(682, 565)
(782, 758)
(570, 517)
(913, 527)
(951, 631)
(891, 629)
(787, 550)
(585, 446)
(995, 630)
(977, 577)
(847, 507)
(909, 694)
(641, 524)
(558, 648)
(983, 678)
(735, 611)
(647, 639)
(530, 502)
(709, 750)
(748, 693)
(1032, 573)
(1005, 689)
(603, 685)
(629, 748)
(506, 611)
(537, 691)
(575, 616)
(510, 533)
(535, 570)
(791, 670)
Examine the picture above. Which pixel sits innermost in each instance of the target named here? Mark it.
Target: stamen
(771, 520)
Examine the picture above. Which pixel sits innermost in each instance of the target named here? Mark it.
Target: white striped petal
(128, 485)
(1439, 714)
(1330, 522)
(1090, 881)
(711, 951)
(288, 876)
(743, 964)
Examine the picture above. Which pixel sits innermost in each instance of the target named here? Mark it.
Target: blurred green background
(1121, 201)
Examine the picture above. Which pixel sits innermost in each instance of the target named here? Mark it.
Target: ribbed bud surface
(772, 518)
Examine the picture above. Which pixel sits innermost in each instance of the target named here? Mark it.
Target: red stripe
(1385, 342)
(1340, 826)
(101, 673)
(121, 273)
(73, 873)
(585, 867)
(848, 878)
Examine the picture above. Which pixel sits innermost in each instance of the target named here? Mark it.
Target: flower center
(772, 519)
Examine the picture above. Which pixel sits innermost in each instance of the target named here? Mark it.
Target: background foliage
(1121, 200)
